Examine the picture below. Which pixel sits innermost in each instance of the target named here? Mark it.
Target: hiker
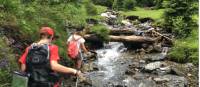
(40, 60)
(75, 44)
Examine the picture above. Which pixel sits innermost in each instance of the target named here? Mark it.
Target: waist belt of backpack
(41, 84)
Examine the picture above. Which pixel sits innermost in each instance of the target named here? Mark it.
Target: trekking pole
(76, 82)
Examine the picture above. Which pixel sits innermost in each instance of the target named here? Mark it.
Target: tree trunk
(132, 38)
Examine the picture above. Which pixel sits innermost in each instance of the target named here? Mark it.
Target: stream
(116, 66)
(111, 66)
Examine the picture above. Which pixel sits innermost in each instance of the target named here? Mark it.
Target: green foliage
(178, 17)
(101, 31)
(117, 4)
(107, 3)
(90, 8)
(150, 3)
(7, 62)
(180, 29)
(159, 4)
(123, 4)
(186, 50)
(29, 16)
(129, 4)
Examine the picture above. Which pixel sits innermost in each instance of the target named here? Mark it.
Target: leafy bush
(178, 17)
(117, 5)
(186, 50)
(101, 31)
(7, 63)
(90, 8)
(159, 4)
(123, 4)
(129, 4)
(107, 3)
(145, 3)
(31, 15)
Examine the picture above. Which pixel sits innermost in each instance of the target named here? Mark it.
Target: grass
(142, 12)
(186, 47)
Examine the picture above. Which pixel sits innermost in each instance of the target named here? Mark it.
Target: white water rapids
(108, 56)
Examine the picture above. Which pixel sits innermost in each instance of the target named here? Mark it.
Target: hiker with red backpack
(40, 61)
(75, 44)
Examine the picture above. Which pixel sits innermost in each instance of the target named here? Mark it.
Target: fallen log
(122, 31)
(112, 38)
(162, 36)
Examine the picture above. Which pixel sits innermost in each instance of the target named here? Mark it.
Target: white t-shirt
(80, 39)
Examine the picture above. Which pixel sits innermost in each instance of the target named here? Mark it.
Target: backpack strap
(75, 39)
(48, 48)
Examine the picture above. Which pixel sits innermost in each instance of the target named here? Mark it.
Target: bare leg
(78, 64)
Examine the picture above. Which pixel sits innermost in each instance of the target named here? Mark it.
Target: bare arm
(83, 47)
(62, 69)
(23, 67)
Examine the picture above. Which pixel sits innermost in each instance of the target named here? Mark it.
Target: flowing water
(111, 66)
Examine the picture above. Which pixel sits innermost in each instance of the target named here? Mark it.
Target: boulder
(175, 81)
(153, 66)
(155, 57)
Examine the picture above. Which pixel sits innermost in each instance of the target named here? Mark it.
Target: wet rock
(189, 74)
(149, 49)
(189, 65)
(155, 57)
(161, 80)
(163, 71)
(154, 65)
(175, 71)
(142, 64)
(129, 72)
(142, 83)
(95, 67)
(157, 48)
(159, 68)
(175, 81)
(85, 67)
(140, 76)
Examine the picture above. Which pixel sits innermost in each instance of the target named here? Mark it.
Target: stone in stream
(171, 81)
(142, 83)
(153, 66)
(159, 68)
(175, 71)
(155, 57)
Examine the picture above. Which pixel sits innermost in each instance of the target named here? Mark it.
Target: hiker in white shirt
(81, 46)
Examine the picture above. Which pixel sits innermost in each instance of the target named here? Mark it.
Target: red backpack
(73, 49)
